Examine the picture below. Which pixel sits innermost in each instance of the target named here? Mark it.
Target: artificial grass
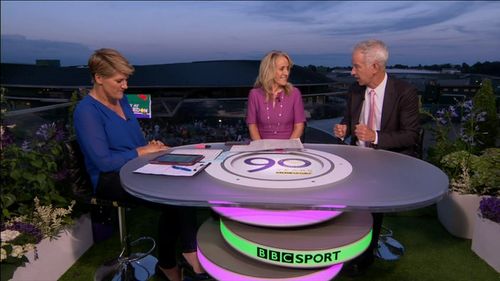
(431, 252)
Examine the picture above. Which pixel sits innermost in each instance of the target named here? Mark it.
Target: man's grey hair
(374, 51)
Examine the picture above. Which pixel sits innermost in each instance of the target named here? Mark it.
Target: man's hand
(340, 131)
(363, 133)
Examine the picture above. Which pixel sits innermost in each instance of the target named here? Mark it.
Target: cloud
(313, 32)
(360, 18)
(309, 12)
(19, 49)
(401, 20)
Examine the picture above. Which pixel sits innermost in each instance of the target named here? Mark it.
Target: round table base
(335, 241)
(275, 218)
(224, 263)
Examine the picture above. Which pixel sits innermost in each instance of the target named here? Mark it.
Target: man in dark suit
(382, 113)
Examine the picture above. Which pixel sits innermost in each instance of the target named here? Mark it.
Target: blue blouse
(107, 141)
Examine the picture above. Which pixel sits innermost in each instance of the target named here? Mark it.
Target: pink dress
(275, 122)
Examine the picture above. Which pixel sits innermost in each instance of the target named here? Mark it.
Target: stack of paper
(183, 171)
(269, 144)
(172, 170)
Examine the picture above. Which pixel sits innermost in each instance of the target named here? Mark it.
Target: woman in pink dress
(275, 108)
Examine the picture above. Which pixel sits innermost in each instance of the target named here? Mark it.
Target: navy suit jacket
(399, 127)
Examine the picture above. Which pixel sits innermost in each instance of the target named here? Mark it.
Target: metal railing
(318, 106)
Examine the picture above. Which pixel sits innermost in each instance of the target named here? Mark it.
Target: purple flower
(442, 121)
(7, 138)
(60, 136)
(481, 117)
(25, 146)
(42, 132)
(452, 111)
(46, 131)
(466, 117)
(27, 229)
(61, 174)
(489, 208)
(468, 105)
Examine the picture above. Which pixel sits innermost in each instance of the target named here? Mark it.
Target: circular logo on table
(281, 169)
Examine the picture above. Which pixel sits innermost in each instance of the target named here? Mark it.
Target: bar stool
(127, 266)
(388, 248)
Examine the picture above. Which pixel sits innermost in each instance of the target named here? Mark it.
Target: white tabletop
(380, 181)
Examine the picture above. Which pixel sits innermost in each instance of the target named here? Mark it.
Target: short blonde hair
(267, 70)
(106, 62)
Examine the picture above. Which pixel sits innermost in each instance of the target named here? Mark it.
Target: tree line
(487, 67)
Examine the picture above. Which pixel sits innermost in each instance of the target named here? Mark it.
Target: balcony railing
(174, 121)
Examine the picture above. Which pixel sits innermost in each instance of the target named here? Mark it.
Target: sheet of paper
(223, 156)
(210, 154)
(269, 144)
(172, 170)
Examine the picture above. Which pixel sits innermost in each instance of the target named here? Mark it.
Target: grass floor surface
(432, 254)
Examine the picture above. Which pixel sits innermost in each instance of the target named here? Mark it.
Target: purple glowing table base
(276, 218)
(225, 264)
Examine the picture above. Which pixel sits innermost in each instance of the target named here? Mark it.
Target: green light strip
(297, 259)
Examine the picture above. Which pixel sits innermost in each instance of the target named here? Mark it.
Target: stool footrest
(136, 266)
(138, 256)
(120, 269)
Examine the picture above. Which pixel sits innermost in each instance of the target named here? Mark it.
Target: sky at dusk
(312, 32)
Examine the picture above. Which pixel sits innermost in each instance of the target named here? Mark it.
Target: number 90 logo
(266, 163)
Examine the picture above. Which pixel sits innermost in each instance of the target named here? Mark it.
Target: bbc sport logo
(297, 258)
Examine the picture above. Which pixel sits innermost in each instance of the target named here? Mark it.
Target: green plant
(76, 96)
(465, 134)
(35, 166)
(473, 174)
(36, 198)
(20, 235)
(484, 101)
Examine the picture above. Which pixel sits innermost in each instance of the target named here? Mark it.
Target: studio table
(290, 214)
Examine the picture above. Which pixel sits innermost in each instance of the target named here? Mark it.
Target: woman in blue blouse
(109, 136)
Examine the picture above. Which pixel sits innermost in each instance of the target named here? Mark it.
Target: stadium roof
(228, 73)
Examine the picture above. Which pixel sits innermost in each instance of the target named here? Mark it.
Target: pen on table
(182, 168)
(202, 146)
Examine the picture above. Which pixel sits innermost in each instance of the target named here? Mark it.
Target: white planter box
(457, 213)
(57, 256)
(485, 241)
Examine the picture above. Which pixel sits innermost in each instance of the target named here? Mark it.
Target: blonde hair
(106, 62)
(267, 71)
(374, 51)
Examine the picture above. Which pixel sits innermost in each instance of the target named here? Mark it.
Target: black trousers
(174, 223)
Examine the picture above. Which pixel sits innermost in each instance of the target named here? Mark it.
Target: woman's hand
(298, 130)
(152, 147)
(254, 132)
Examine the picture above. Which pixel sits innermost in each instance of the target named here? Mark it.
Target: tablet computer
(177, 159)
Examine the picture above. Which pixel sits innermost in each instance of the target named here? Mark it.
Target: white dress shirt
(365, 110)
